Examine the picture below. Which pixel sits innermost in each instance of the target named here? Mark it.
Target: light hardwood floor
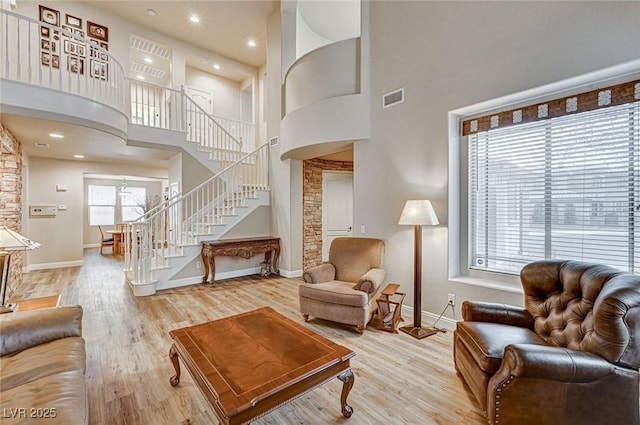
(398, 380)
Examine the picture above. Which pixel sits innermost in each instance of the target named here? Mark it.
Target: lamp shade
(418, 212)
(12, 241)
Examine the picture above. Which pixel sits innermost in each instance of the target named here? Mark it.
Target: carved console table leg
(276, 256)
(205, 264)
(173, 355)
(347, 378)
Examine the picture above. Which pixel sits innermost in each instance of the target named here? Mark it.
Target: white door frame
(347, 232)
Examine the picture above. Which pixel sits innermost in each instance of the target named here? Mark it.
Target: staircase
(168, 237)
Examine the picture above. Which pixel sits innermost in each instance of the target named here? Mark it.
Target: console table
(245, 248)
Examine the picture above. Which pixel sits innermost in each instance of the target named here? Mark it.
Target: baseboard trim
(290, 273)
(59, 265)
(91, 245)
(428, 319)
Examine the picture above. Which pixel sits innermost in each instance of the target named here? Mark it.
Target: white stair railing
(156, 106)
(33, 52)
(210, 135)
(157, 236)
(240, 130)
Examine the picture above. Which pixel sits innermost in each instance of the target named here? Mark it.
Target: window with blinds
(565, 187)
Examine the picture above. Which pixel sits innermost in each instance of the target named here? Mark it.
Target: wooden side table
(389, 308)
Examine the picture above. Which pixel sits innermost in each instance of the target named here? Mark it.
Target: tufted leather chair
(570, 356)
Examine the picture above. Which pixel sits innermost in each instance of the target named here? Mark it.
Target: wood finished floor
(398, 380)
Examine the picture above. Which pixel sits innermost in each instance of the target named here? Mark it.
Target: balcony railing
(41, 54)
(37, 53)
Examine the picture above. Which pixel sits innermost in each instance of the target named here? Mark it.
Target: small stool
(389, 308)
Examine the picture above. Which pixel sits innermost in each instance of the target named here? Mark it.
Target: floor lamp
(418, 213)
(10, 242)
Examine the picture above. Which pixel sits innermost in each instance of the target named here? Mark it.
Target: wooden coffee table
(252, 363)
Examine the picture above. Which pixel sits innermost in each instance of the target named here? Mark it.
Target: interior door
(197, 122)
(337, 208)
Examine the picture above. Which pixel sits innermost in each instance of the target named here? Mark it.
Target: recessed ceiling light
(140, 77)
(251, 43)
(194, 19)
(78, 156)
(151, 12)
(41, 145)
(147, 59)
(216, 66)
(56, 136)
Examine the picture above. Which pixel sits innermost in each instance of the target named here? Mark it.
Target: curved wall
(324, 127)
(34, 101)
(323, 104)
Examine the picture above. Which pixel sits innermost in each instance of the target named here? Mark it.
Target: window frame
(565, 151)
(458, 247)
(100, 205)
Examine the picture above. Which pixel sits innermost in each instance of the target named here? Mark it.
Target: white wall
(91, 234)
(61, 236)
(119, 31)
(285, 176)
(448, 55)
(226, 93)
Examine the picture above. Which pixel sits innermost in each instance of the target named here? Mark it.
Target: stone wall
(312, 207)
(11, 196)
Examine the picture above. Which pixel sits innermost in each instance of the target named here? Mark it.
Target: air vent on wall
(273, 141)
(393, 98)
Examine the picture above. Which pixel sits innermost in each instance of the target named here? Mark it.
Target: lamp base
(419, 332)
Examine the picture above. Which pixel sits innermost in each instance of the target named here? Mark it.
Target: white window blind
(562, 188)
(133, 205)
(101, 203)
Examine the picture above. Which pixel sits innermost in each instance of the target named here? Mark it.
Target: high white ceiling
(225, 26)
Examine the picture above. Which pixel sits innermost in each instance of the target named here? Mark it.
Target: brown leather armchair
(571, 356)
(345, 288)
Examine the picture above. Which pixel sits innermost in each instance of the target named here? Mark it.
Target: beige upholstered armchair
(345, 288)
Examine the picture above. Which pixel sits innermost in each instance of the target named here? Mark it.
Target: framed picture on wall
(97, 31)
(72, 21)
(75, 65)
(72, 30)
(45, 32)
(50, 16)
(48, 59)
(98, 69)
(48, 45)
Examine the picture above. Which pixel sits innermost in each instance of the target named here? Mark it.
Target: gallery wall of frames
(76, 53)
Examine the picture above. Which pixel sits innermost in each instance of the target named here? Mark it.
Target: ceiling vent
(139, 68)
(393, 98)
(148, 46)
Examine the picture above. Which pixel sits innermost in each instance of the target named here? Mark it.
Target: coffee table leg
(173, 355)
(347, 379)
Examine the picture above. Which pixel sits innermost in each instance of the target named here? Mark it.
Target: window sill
(485, 283)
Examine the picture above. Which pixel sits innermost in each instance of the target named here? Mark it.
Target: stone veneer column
(312, 207)
(11, 196)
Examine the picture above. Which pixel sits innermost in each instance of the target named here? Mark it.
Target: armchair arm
(371, 281)
(30, 328)
(474, 311)
(553, 363)
(562, 386)
(325, 272)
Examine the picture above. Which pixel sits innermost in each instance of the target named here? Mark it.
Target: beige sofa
(345, 288)
(42, 367)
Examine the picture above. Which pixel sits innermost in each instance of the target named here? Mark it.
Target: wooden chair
(106, 241)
